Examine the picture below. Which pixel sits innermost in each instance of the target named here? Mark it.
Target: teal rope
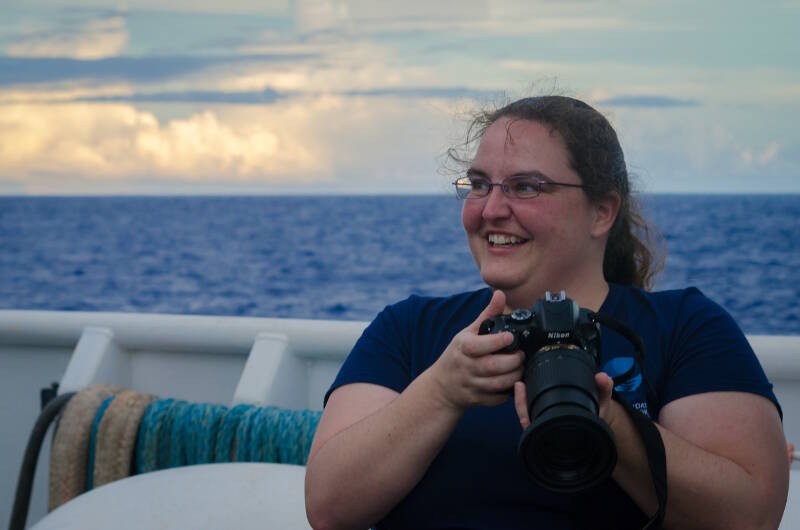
(146, 439)
(226, 437)
(176, 433)
(93, 441)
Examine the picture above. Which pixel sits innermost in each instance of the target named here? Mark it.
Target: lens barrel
(567, 448)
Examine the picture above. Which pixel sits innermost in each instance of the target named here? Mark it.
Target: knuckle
(498, 385)
(490, 365)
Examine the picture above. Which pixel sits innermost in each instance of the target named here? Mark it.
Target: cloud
(647, 102)
(330, 141)
(267, 7)
(261, 97)
(268, 96)
(369, 17)
(426, 92)
(111, 142)
(23, 70)
(93, 39)
(763, 157)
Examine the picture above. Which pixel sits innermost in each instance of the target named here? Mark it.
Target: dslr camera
(567, 448)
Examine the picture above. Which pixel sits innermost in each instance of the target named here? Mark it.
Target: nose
(496, 205)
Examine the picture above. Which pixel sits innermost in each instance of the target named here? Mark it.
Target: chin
(502, 281)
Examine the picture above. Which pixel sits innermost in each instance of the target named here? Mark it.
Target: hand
(470, 372)
(607, 410)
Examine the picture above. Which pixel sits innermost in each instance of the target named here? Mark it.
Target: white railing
(227, 360)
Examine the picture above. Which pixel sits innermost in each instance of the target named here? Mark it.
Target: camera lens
(568, 450)
(567, 447)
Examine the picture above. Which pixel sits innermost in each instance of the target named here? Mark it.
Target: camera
(567, 448)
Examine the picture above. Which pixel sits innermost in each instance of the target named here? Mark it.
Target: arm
(373, 445)
(726, 459)
(726, 464)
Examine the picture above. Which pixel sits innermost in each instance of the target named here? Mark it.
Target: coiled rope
(176, 433)
(107, 433)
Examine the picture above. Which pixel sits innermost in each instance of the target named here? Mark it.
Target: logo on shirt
(618, 366)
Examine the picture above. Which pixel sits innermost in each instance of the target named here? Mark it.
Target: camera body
(567, 447)
(556, 320)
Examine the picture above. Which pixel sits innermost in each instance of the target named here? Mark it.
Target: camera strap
(656, 457)
(648, 432)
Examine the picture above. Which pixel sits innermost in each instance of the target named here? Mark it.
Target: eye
(524, 187)
(478, 184)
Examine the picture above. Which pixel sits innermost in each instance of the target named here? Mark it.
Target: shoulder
(417, 310)
(673, 308)
(693, 345)
(670, 298)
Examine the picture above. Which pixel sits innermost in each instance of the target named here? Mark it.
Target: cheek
(471, 216)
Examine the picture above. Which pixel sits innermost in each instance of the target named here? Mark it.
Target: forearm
(705, 490)
(361, 473)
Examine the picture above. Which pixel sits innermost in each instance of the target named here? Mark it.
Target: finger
(495, 307)
(521, 404)
(480, 345)
(499, 364)
(497, 384)
(494, 399)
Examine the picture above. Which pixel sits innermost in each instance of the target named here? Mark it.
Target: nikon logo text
(557, 334)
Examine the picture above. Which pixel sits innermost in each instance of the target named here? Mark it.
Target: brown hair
(631, 256)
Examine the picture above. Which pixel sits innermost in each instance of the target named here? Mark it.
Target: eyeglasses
(521, 187)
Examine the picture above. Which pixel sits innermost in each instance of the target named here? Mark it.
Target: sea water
(346, 258)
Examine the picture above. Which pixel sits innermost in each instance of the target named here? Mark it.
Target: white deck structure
(227, 360)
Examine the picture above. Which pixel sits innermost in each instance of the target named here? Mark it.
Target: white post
(273, 375)
(97, 358)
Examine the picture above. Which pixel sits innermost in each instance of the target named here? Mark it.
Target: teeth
(501, 239)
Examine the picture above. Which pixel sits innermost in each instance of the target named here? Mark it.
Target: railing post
(273, 375)
(97, 358)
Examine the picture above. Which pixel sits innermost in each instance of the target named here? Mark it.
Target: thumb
(494, 308)
(605, 386)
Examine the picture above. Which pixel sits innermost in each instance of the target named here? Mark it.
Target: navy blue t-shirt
(692, 346)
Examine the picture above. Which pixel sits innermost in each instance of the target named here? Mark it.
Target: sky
(363, 96)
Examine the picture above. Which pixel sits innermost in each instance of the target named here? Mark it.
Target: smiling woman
(547, 208)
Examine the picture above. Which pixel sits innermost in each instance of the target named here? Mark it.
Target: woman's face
(527, 246)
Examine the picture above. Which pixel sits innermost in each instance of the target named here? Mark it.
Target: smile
(504, 240)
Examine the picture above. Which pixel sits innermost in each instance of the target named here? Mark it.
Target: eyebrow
(473, 172)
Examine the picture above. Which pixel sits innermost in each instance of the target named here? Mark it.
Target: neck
(589, 294)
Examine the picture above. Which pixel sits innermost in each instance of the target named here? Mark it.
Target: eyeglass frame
(540, 182)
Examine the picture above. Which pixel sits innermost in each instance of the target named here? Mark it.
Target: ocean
(345, 258)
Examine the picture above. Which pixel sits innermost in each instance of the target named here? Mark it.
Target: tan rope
(68, 457)
(116, 436)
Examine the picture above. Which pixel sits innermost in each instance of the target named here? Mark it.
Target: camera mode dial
(521, 315)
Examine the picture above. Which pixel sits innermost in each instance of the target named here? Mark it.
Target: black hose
(22, 499)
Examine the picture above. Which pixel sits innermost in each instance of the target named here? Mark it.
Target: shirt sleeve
(382, 354)
(711, 354)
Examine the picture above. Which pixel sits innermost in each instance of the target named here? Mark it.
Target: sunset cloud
(302, 141)
(118, 142)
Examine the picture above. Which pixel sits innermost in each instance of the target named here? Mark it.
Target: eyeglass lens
(516, 187)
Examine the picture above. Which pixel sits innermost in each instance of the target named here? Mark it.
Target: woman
(419, 430)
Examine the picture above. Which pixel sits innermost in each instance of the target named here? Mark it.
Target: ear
(605, 213)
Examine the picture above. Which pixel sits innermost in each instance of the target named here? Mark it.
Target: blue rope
(93, 440)
(176, 433)
(226, 437)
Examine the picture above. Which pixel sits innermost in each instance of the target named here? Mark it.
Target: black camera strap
(656, 457)
(648, 432)
(638, 352)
